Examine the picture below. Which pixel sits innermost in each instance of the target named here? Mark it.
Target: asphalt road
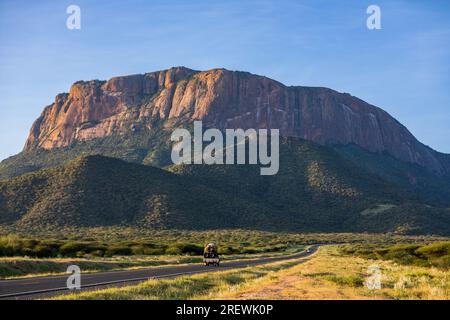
(30, 288)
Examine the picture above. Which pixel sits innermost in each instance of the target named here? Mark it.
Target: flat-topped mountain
(345, 165)
(224, 99)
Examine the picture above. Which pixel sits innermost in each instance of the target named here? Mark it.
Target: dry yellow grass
(198, 286)
(331, 276)
(326, 275)
(25, 267)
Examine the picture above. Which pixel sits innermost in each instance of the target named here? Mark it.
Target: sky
(403, 68)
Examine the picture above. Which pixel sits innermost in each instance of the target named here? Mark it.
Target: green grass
(85, 254)
(159, 243)
(15, 246)
(425, 255)
(109, 241)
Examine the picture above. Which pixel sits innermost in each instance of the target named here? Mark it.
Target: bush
(10, 245)
(118, 251)
(137, 250)
(435, 254)
(174, 250)
(29, 243)
(249, 251)
(154, 251)
(97, 253)
(228, 250)
(70, 249)
(185, 248)
(41, 251)
(435, 250)
(192, 249)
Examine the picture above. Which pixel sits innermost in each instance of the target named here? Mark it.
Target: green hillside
(152, 147)
(100, 191)
(316, 190)
(434, 188)
(322, 191)
(145, 147)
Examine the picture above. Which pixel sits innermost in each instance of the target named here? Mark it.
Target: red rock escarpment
(224, 99)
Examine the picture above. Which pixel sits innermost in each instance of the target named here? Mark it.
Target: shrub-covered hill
(316, 190)
(320, 190)
(101, 191)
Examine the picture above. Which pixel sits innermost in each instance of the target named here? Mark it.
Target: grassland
(24, 267)
(331, 275)
(435, 254)
(328, 274)
(159, 243)
(20, 267)
(234, 237)
(98, 243)
(200, 286)
(104, 249)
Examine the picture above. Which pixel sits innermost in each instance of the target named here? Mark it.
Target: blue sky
(403, 68)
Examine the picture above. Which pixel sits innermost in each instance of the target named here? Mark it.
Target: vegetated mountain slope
(315, 190)
(149, 146)
(100, 191)
(322, 191)
(434, 189)
(152, 147)
(133, 105)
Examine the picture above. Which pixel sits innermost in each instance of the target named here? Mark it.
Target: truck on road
(210, 255)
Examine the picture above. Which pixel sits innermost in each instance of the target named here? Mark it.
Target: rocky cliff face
(224, 99)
